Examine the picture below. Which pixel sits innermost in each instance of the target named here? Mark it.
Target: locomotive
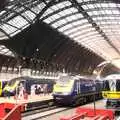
(74, 90)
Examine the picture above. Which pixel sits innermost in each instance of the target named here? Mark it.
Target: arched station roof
(94, 24)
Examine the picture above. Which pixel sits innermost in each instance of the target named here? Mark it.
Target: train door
(77, 86)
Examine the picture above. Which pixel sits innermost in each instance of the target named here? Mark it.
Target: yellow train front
(75, 90)
(2, 85)
(111, 91)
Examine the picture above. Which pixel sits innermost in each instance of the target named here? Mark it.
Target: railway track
(40, 113)
(41, 109)
(44, 112)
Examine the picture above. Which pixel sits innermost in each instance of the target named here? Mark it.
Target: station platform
(31, 103)
(100, 104)
(35, 98)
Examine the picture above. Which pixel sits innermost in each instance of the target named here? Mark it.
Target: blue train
(12, 87)
(75, 90)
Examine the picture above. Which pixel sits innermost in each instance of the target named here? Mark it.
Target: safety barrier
(91, 114)
(9, 111)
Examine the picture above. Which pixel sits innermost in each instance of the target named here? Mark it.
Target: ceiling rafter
(91, 21)
(48, 5)
(57, 11)
(63, 17)
(27, 8)
(17, 13)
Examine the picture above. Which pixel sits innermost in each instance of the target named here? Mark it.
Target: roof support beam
(48, 5)
(91, 21)
(27, 8)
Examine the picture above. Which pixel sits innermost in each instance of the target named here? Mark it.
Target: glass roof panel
(83, 32)
(29, 14)
(38, 7)
(18, 22)
(8, 29)
(94, 24)
(75, 29)
(56, 7)
(17, 16)
(3, 36)
(5, 51)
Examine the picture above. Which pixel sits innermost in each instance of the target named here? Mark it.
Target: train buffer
(90, 114)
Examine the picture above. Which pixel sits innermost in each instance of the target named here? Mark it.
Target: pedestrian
(21, 91)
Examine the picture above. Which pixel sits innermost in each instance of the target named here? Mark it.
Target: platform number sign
(112, 84)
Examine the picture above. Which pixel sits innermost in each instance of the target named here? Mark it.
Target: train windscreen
(63, 80)
(12, 82)
(111, 85)
(106, 86)
(118, 85)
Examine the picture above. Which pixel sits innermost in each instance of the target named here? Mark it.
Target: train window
(106, 86)
(117, 85)
(11, 82)
(64, 80)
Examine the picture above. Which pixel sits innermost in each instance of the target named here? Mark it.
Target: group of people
(38, 89)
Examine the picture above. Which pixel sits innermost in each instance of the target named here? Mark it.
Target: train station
(59, 60)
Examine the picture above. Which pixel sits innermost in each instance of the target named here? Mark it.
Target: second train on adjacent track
(12, 87)
(111, 91)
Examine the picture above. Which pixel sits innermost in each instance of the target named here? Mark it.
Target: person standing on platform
(21, 91)
(45, 89)
(32, 90)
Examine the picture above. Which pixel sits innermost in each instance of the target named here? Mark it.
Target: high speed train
(74, 90)
(111, 90)
(12, 86)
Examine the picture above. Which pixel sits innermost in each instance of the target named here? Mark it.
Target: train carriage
(111, 90)
(13, 85)
(76, 90)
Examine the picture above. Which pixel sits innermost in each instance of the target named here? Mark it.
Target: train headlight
(11, 90)
(66, 93)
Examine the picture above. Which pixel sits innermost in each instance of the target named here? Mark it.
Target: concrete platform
(100, 104)
(35, 98)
